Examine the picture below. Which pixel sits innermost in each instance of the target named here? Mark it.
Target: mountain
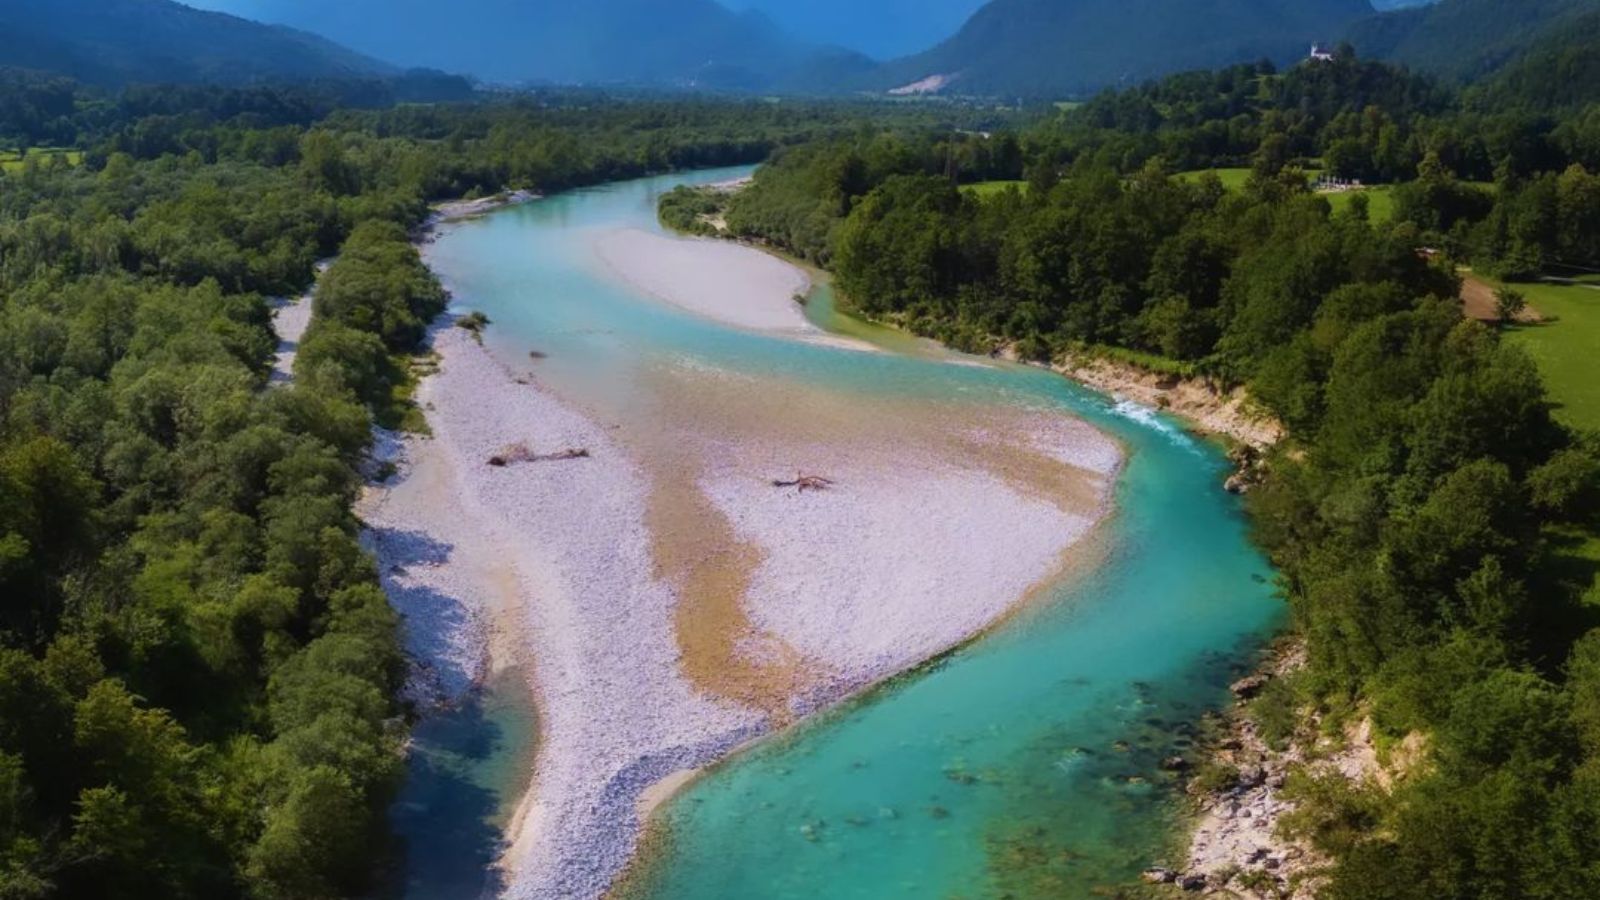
(676, 42)
(118, 41)
(1559, 71)
(1075, 47)
(882, 29)
(1464, 38)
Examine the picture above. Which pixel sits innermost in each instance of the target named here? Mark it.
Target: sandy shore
(671, 604)
(720, 280)
(734, 284)
(597, 624)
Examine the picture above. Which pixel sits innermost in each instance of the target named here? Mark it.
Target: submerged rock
(1158, 875)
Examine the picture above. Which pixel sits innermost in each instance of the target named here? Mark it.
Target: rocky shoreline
(1207, 408)
(1238, 845)
(1235, 844)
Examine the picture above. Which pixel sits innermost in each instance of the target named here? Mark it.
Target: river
(1025, 764)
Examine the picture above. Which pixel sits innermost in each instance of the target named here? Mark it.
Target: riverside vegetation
(1427, 513)
(199, 676)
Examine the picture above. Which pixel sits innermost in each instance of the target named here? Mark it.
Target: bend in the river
(1024, 764)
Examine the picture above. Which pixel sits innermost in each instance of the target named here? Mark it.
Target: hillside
(1464, 38)
(882, 29)
(691, 43)
(120, 41)
(1075, 47)
(1560, 71)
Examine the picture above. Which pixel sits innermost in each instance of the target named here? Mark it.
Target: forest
(199, 675)
(200, 678)
(1428, 514)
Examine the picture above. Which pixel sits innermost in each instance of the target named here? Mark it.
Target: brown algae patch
(724, 653)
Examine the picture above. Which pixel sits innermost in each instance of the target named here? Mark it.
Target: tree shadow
(1567, 580)
(463, 759)
(438, 626)
(446, 817)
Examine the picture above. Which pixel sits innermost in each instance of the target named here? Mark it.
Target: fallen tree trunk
(803, 483)
(519, 453)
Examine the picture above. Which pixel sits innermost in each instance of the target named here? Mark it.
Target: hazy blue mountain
(1465, 38)
(118, 41)
(682, 42)
(1067, 47)
(883, 29)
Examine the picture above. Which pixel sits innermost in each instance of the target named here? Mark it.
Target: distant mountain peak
(1075, 47)
(118, 41)
(698, 42)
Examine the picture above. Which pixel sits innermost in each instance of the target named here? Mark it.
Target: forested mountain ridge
(119, 41)
(1053, 48)
(1559, 72)
(1464, 38)
(685, 43)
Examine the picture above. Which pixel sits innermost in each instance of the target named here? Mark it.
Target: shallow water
(1023, 765)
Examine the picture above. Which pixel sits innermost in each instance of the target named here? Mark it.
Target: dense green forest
(198, 671)
(1427, 515)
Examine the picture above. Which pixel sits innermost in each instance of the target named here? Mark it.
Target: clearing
(983, 190)
(12, 160)
(1565, 344)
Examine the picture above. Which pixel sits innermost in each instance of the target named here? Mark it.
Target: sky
(883, 29)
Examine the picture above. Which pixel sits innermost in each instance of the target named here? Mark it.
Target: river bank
(452, 211)
(1241, 839)
(668, 601)
(1200, 402)
(1233, 837)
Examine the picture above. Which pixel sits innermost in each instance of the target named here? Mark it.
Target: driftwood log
(519, 453)
(803, 483)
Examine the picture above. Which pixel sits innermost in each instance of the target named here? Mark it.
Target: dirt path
(1477, 302)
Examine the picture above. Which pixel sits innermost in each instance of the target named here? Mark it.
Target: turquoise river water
(1023, 765)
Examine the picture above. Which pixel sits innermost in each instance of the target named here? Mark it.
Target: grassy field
(1232, 179)
(1564, 345)
(990, 188)
(1380, 199)
(12, 160)
(1380, 202)
(1567, 346)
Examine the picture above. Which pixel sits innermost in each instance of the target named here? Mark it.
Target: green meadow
(986, 189)
(1566, 345)
(13, 160)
